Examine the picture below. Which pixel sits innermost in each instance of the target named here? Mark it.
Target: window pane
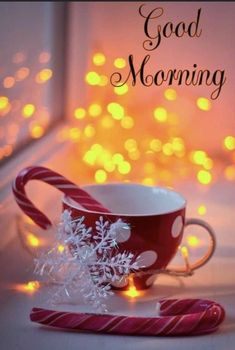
(31, 46)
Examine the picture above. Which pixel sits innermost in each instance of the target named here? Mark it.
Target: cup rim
(73, 205)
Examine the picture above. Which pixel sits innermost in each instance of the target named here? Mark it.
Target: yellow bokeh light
(89, 131)
(167, 149)
(156, 145)
(107, 122)
(160, 114)
(32, 240)
(198, 157)
(100, 176)
(119, 62)
(95, 110)
(44, 75)
(36, 131)
(170, 94)
(203, 103)
(130, 145)
(4, 101)
(201, 209)
(117, 158)
(74, 134)
(132, 292)
(148, 181)
(8, 82)
(127, 122)
(92, 78)
(89, 157)
(28, 110)
(124, 167)
(103, 80)
(204, 177)
(229, 143)
(30, 287)
(229, 172)
(109, 166)
(116, 110)
(134, 154)
(208, 163)
(22, 73)
(193, 241)
(184, 251)
(121, 90)
(60, 248)
(79, 113)
(99, 59)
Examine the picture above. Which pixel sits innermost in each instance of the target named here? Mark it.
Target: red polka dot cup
(156, 217)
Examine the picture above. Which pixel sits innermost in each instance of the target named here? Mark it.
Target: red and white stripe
(56, 180)
(177, 317)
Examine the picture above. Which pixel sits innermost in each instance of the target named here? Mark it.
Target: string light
(95, 110)
(201, 209)
(203, 103)
(92, 78)
(229, 143)
(79, 113)
(44, 75)
(193, 241)
(100, 176)
(204, 177)
(119, 63)
(99, 59)
(160, 114)
(28, 110)
(30, 288)
(32, 240)
(170, 94)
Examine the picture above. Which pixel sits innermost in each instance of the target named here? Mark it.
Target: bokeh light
(79, 113)
(99, 59)
(204, 177)
(229, 143)
(170, 94)
(204, 104)
(160, 114)
(119, 63)
(92, 78)
(28, 110)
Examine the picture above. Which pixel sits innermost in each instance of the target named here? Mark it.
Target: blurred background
(55, 64)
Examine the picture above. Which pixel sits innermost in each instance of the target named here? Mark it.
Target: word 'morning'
(196, 77)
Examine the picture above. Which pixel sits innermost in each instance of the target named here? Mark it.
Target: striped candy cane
(56, 180)
(177, 317)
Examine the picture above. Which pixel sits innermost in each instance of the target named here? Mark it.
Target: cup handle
(203, 260)
(56, 180)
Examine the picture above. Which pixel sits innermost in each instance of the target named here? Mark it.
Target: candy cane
(177, 317)
(56, 180)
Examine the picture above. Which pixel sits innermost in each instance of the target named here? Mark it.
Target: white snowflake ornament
(89, 261)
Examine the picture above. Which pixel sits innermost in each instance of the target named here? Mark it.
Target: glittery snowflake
(87, 262)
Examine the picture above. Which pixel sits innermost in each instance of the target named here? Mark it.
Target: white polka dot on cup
(177, 226)
(146, 258)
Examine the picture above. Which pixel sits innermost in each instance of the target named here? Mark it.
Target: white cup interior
(133, 199)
